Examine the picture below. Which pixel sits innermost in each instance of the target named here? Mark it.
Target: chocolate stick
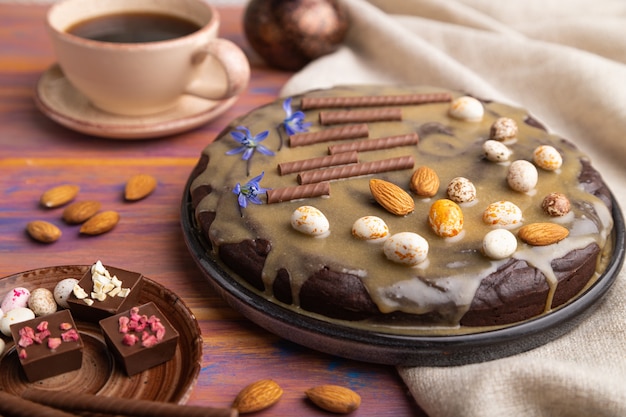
(100, 404)
(335, 133)
(14, 406)
(385, 114)
(356, 170)
(374, 144)
(308, 103)
(285, 168)
(297, 192)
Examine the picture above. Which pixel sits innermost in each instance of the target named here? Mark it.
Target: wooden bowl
(99, 374)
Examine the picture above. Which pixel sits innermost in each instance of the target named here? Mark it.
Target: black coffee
(133, 28)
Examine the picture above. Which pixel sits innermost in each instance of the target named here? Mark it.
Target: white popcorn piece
(100, 296)
(123, 292)
(115, 291)
(79, 292)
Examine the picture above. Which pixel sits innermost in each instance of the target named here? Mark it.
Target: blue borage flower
(294, 121)
(249, 192)
(249, 144)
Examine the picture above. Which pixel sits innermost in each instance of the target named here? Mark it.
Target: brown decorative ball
(288, 34)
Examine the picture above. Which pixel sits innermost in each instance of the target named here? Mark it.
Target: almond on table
(139, 186)
(59, 195)
(80, 211)
(100, 223)
(43, 231)
(258, 396)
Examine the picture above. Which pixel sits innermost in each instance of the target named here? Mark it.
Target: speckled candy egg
(467, 108)
(445, 218)
(502, 213)
(496, 151)
(503, 129)
(310, 221)
(547, 157)
(62, 291)
(370, 228)
(461, 190)
(499, 244)
(42, 302)
(522, 176)
(15, 298)
(17, 315)
(406, 248)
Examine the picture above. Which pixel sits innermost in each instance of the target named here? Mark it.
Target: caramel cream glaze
(453, 148)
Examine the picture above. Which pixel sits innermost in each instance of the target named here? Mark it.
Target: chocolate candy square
(95, 307)
(48, 346)
(140, 338)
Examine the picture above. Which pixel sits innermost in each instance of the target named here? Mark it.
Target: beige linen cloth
(564, 60)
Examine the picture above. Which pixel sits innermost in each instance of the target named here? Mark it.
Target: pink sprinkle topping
(149, 341)
(25, 341)
(123, 324)
(40, 336)
(151, 329)
(27, 336)
(22, 354)
(70, 336)
(43, 325)
(129, 339)
(54, 342)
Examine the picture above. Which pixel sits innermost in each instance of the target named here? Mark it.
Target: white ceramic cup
(144, 78)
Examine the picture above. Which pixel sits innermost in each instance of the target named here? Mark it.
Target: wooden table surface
(37, 154)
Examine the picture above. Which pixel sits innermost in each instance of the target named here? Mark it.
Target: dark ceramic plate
(387, 348)
(171, 381)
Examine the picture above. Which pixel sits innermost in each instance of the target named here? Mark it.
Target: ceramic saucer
(61, 102)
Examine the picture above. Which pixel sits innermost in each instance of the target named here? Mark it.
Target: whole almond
(334, 398)
(43, 231)
(80, 211)
(139, 186)
(59, 195)
(257, 396)
(424, 182)
(542, 234)
(100, 223)
(393, 198)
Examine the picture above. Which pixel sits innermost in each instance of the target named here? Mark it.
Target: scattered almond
(424, 182)
(334, 398)
(257, 396)
(393, 198)
(80, 211)
(542, 234)
(100, 223)
(139, 186)
(43, 231)
(59, 195)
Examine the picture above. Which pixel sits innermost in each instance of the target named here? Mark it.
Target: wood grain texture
(37, 154)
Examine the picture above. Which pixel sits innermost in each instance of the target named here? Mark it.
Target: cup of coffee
(138, 57)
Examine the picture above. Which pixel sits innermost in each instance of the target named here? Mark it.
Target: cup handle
(223, 71)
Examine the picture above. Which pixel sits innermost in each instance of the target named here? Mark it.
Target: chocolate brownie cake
(417, 207)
